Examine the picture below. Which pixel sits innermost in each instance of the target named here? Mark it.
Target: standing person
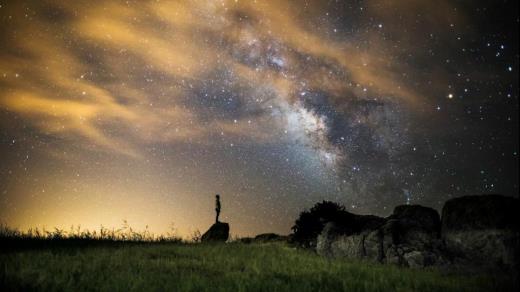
(217, 206)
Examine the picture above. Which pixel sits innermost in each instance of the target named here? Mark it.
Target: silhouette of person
(217, 206)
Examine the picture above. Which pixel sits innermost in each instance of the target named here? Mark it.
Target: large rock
(475, 232)
(366, 223)
(410, 237)
(422, 217)
(329, 234)
(414, 226)
(218, 232)
(481, 213)
(482, 230)
(419, 259)
(373, 245)
(333, 242)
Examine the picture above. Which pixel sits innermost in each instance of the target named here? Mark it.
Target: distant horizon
(142, 227)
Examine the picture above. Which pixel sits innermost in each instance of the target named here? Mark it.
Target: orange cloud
(82, 72)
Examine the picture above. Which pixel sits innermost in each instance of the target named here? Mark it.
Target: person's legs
(218, 213)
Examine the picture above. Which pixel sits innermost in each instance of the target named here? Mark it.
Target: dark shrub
(310, 223)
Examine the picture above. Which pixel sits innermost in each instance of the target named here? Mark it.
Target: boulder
(475, 232)
(373, 245)
(332, 242)
(414, 226)
(414, 258)
(422, 217)
(409, 237)
(481, 213)
(218, 232)
(482, 230)
(365, 223)
(311, 223)
(393, 255)
(348, 246)
(330, 233)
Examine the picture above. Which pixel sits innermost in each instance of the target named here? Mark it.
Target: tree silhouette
(311, 223)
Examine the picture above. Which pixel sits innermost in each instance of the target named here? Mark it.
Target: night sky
(144, 110)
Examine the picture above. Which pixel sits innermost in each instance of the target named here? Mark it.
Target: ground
(213, 267)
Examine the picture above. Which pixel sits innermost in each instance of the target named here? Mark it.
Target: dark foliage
(311, 222)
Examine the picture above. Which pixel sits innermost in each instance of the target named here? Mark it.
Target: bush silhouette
(310, 223)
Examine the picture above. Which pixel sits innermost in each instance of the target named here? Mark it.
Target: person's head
(217, 196)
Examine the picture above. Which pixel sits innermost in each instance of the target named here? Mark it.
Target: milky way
(143, 110)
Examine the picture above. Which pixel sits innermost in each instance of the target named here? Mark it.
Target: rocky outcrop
(482, 230)
(413, 225)
(332, 242)
(311, 223)
(408, 237)
(218, 232)
(475, 230)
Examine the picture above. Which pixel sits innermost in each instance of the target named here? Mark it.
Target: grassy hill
(212, 267)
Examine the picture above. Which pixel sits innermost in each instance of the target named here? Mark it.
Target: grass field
(215, 267)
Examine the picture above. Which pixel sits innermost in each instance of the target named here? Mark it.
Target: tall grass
(125, 259)
(123, 234)
(215, 267)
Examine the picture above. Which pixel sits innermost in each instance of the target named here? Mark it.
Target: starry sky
(144, 110)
